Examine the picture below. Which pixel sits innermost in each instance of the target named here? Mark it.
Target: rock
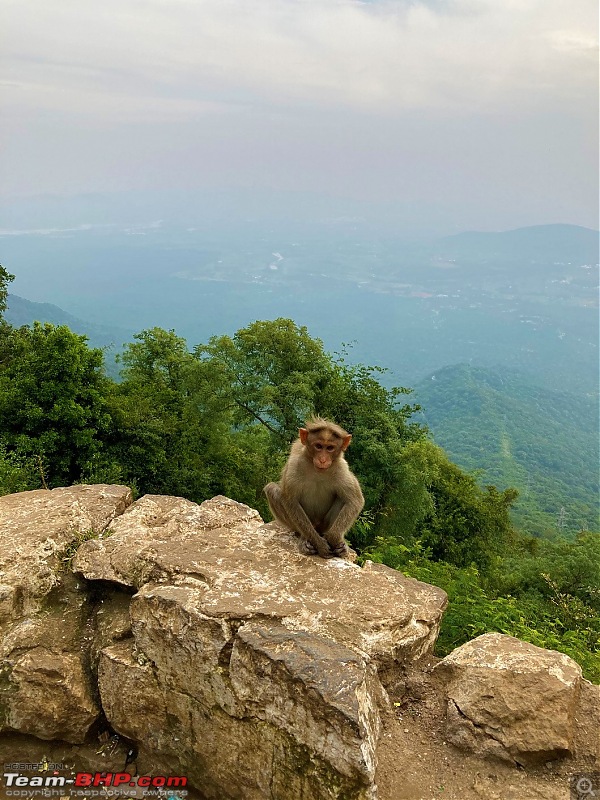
(324, 694)
(262, 663)
(51, 696)
(293, 694)
(125, 684)
(242, 568)
(46, 688)
(587, 726)
(426, 602)
(38, 528)
(511, 699)
(159, 536)
(109, 622)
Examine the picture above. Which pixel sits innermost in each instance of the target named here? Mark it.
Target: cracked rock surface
(253, 667)
(46, 688)
(511, 699)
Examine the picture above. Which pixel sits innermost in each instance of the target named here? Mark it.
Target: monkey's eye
(331, 448)
(318, 447)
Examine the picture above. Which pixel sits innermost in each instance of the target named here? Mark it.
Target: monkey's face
(323, 448)
(324, 454)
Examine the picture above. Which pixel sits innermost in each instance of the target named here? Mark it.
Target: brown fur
(318, 496)
(315, 424)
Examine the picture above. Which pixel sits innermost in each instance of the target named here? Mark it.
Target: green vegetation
(219, 420)
(546, 593)
(544, 443)
(65, 557)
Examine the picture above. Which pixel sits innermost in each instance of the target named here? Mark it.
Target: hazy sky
(474, 113)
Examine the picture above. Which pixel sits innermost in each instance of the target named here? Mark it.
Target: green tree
(553, 569)
(270, 372)
(175, 429)
(5, 328)
(274, 375)
(468, 525)
(149, 408)
(17, 474)
(52, 407)
(438, 505)
(5, 279)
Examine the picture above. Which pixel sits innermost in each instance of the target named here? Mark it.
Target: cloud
(158, 58)
(477, 108)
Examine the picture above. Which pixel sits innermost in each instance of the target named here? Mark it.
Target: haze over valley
(525, 299)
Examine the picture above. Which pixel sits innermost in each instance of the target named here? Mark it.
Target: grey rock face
(511, 699)
(45, 684)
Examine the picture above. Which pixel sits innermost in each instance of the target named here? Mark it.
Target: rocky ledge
(219, 652)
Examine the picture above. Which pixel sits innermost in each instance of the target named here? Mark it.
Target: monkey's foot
(341, 550)
(308, 549)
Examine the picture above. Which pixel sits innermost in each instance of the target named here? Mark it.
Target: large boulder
(511, 699)
(45, 685)
(240, 568)
(255, 669)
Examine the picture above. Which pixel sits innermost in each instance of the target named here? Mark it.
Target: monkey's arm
(343, 513)
(289, 511)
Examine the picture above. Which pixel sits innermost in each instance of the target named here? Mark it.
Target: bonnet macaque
(318, 497)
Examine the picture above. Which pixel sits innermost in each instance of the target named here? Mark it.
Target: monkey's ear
(303, 434)
(346, 442)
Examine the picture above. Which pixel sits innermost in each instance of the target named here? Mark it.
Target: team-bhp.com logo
(89, 784)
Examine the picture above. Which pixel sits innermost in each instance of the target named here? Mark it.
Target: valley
(522, 304)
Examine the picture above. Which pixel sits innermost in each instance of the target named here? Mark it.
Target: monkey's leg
(292, 515)
(336, 542)
(274, 499)
(340, 518)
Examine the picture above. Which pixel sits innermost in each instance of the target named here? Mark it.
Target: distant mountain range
(20, 311)
(544, 443)
(538, 243)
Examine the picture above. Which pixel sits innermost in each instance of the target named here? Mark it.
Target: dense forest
(542, 442)
(219, 420)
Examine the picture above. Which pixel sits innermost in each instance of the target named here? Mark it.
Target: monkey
(318, 497)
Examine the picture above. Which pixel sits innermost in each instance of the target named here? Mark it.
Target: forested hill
(20, 311)
(544, 443)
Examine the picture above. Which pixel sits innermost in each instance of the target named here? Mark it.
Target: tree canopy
(52, 400)
(5, 279)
